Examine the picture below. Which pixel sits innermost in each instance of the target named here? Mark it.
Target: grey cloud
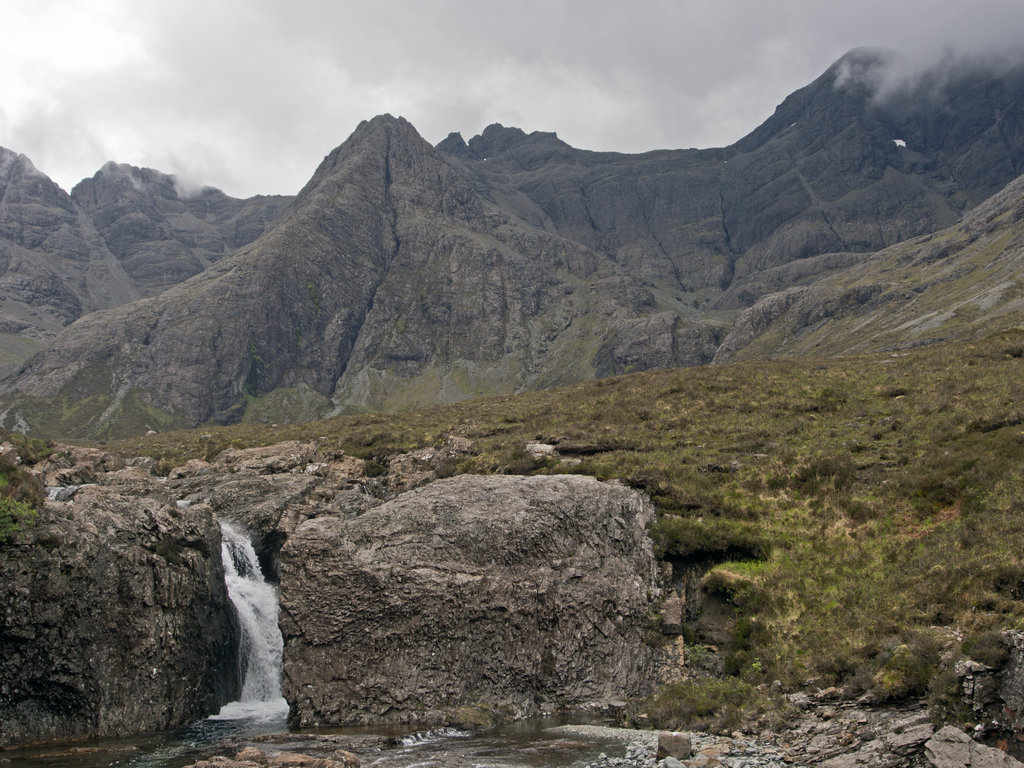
(250, 96)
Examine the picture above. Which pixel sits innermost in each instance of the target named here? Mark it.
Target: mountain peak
(385, 123)
(11, 161)
(455, 146)
(496, 139)
(374, 143)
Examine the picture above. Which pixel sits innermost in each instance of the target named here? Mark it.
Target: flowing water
(531, 744)
(260, 714)
(261, 645)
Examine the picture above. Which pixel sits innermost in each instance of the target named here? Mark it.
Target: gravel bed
(708, 751)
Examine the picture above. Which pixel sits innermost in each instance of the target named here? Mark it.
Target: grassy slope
(961, 282)
(855, 502)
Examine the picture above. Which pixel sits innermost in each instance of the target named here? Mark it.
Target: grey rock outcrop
(466, 595)
(993, 692)
(114, 617)
(952, 748)
(509, 594)
(162, 232)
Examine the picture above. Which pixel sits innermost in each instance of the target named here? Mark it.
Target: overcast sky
(249, 95)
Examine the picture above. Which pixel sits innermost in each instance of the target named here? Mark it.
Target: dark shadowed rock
(510, 594)
(115, 618)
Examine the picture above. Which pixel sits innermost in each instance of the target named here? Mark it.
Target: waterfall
(261, 645)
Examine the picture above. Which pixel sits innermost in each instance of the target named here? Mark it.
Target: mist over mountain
(405, 274)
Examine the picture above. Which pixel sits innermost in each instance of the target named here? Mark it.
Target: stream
(259, 716)
(528, 744)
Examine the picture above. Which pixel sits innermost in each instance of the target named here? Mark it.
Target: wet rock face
(517, 594)
(114, 617)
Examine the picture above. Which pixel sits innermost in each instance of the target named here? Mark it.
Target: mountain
(123, 234)
(961, 282)
(389, 272)
(163, 232)
(405, 274)
(53, 267)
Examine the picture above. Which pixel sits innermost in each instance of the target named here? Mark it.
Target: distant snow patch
(899, 143)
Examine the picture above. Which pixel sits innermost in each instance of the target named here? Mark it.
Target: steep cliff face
(125, 233)
(960, 282)
(163, 233)
(114, 617)
(841, 166)
(508, 593)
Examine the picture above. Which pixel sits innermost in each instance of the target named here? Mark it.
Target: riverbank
(840, 735)
(836, 735)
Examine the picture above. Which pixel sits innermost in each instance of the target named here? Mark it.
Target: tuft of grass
(15, 517)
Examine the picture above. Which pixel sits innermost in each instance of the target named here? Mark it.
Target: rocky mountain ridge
(405, 274)
(121, 235)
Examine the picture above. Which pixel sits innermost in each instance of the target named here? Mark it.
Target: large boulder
(507, 594)
(114, 617)
(952, 748)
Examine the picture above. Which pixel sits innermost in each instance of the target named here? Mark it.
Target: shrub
(706, 703)
(32, 450)
(946, 703)
(18, 484)
(15, 516)
(908, 668)
(678, 536)
(986, 647)
(373, 468)
(21, 494)
(838, 472)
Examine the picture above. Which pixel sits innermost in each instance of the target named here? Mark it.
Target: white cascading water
(260, 647)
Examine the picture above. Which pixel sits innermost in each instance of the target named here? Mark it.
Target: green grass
(21, 493)
(859, 501)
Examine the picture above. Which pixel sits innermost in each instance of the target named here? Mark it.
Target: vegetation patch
(852, 504)
(716, 704)
(21, 493)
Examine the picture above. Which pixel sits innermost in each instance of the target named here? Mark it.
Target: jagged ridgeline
(404, 274)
